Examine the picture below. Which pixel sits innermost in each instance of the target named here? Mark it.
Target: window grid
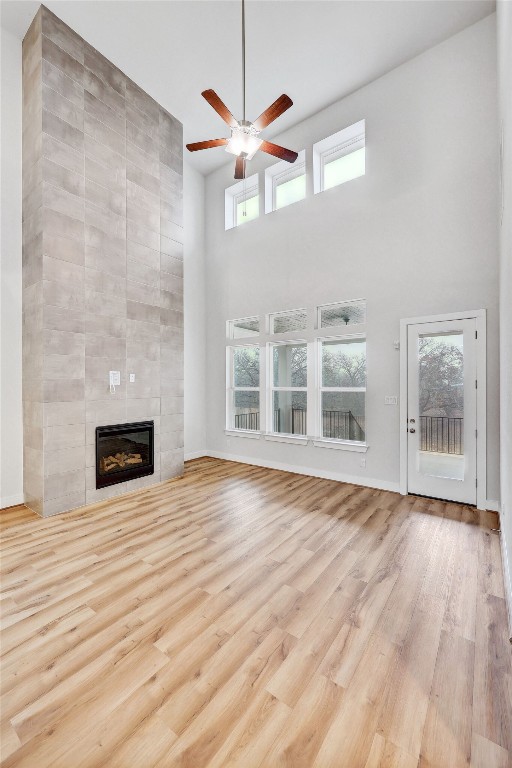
(290, 415)
(243, 413)
(340, 424)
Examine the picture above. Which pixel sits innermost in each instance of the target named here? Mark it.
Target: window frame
(339, 144)
(230, 330)
(231, 389)
(272, 315)
(271, 388)
(320, 440)
(280, 173)
(330, 304)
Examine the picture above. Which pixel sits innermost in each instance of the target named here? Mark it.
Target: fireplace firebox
(124, 452)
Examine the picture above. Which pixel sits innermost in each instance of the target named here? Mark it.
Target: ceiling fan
(244, 141)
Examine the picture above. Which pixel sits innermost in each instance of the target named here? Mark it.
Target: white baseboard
(11, 501)
(382, 485)
(507, 578)
(492, 506)
(195, 455)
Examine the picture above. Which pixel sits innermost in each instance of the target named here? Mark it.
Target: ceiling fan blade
(274, 149)
(206, 144)
(275, 110)
(219, 106)
(240, 168)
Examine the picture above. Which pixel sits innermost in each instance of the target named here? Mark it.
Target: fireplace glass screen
(124, 452)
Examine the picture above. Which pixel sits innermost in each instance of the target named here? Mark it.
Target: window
(286, 322)
(285, 183)
(242, 202)
(343, 389)
(246, 326)
(339, 158)
(342, 313)
(244, 388)
(288, 393)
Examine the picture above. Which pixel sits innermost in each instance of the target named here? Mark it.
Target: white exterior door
(441, 410)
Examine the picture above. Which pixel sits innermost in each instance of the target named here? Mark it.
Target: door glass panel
(441, 405)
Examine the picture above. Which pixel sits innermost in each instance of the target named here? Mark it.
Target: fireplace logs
(108, 463)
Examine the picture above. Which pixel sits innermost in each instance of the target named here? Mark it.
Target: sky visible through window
(290, 192)
(344, 168)
(248, 210)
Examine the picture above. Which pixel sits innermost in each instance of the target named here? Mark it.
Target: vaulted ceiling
(316, 51)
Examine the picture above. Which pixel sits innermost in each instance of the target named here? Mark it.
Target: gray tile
(113, 179)
(64, 248)
(58, 319)
(171, 300)
(172, 360)
(62, 60)
(142, 409)
(143, 217)
(105, 346)
(59, 225)
(58, 152)
(171, 182)
(64, 108)
(64, 436)
(59, 129)
(173, 232)
(106, 326)
(169, 441)
(102, 282)
(171, 131)
(144, 179)
(141, 273)
(99, 368)
(64, 484)
(147, 294)
(137, 330)
(172, 160)
(57, 199)
(67, 460)
(106, 221)
(172, 211)
(65, 272)
(101, 111)
(63, 343)
(171, 387)
(142, 101)
(99, 304)
(98, 389)
(171, 336)
(142, 121)
(62, 35)
(63, 504)
(140, 159)
(171, 283)
(140, 197)
(95, 495)
(142, 312)
(100, 259)
(171, 265)
(109, 245)
(60, 176)
(101, 412)
(142, 350)
(142, 140)
(172, 422)
(139, 234)
(101, 153)
(104, 69)
(148, 256)
(101, 90)
(61, 295)
(171, 464)
(64, 366)
(107, 199)
(105, 135)
(57, 414)
(171, 405)
(56, 79)
(62, 390)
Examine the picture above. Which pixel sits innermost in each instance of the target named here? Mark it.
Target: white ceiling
(316, 51)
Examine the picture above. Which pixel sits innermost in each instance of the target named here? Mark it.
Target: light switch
(132, 378)
(390, 400)
(114, 378)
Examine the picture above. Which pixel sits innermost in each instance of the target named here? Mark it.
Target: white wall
(504, 18)
(11, 427)
(416, 236)
(195, 311)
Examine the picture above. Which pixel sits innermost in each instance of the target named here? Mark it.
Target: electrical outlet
(390, 400)
(132, 378)
(362, 463)
(114, 378)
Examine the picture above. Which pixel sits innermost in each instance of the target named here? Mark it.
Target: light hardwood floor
(246, 617)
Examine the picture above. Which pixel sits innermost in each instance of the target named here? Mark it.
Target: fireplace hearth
(124, 452)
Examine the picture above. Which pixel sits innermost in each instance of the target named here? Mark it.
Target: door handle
(412, 430)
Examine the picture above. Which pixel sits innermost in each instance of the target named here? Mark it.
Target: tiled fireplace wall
(102, 266)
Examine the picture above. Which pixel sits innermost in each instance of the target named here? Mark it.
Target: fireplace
(124, 452)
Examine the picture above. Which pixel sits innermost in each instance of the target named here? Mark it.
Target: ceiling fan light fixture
(243, 141)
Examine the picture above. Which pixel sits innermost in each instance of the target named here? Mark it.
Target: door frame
(481, 398)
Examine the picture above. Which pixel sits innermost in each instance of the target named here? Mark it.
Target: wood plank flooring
(241, 616)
